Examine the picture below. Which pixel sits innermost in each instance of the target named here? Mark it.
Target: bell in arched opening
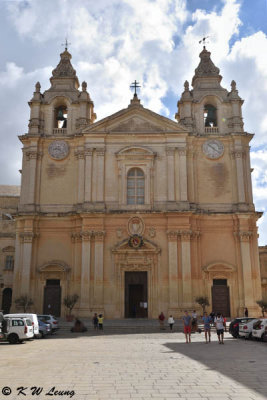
(61, 115)
(210, 115)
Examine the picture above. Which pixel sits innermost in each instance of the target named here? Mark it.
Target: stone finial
(186, 86)
(64, 68)
(37, 87)
(233, 86)
(84, 86)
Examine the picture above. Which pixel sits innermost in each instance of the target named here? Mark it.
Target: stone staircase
(127, 326)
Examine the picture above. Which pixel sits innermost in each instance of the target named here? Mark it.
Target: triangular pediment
(135, 120)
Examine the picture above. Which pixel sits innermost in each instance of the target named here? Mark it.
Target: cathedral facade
(136, 213)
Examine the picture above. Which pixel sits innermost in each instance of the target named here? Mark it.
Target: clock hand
(213, 148)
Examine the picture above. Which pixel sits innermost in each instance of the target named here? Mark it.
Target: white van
(17, 330)
(32, 317)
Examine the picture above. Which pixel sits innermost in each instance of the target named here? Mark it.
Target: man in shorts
(207, 321)
(187, 320)
(219, 327)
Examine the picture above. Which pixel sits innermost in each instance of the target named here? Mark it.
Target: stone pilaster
(183, 173)
(238, 155)
(100, 154)
(245, 237)
(170, 171)
(173, 271)
(32, 156)
(186, 267)
(88, 175)
(99, 271)
(27, 241)
(85, 270)
(79, 154)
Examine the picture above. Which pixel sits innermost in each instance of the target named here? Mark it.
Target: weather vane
(66, 44)
(203, 40)
(135, 85)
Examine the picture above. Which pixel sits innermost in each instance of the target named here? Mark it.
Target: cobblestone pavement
(135, 366)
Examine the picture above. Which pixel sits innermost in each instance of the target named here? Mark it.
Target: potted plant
(203, 301)
(263, 306)
(69, 303)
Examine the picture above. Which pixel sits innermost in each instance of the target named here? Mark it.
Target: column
(88, 175)
(186, 268)
(238, 155)
(27, 239)
(99, 270)
(80, 157)
(85, 269)
(173, 269)
(183, 173)
(249, 300)
(170, 172)
(31, 157)
(100, 153)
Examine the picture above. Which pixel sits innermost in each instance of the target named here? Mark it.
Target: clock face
(58, 149)
(213, 149)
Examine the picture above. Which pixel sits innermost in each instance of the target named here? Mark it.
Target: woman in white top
(171, 321)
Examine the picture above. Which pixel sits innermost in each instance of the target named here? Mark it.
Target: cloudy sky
(114, 42)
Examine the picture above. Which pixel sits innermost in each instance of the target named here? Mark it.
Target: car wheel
(13, 338)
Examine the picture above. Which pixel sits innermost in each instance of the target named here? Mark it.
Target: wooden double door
(52, 297)
(221, 297)
(136, 305)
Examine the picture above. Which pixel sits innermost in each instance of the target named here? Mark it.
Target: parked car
(264, 336)
(44, 329)
(259, 328)
(49, 319)
(16, 330)
(245, 329)
(32, 317)
(234, 325)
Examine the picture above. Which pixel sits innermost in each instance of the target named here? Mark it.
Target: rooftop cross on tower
(135, 85)
(66, 44)
(203, 40)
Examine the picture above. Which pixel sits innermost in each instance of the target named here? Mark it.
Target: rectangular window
(9, 264)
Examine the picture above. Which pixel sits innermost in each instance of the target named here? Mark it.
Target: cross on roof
(66, 44)
(135, 85)
(203, 40)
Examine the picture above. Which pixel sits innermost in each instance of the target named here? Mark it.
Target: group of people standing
(98, 321)
(190, 323)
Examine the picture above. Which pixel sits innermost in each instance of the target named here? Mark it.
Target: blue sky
(114, 42)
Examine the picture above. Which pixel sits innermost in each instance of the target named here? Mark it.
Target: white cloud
(155, 42)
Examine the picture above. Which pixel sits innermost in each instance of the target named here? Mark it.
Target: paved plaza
(134, 366)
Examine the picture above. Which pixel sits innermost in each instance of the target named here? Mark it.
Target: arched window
(135, 186)
(210, 115)
(61, 116)
(9, 264)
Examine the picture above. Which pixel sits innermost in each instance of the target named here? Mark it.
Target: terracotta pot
(69, 318)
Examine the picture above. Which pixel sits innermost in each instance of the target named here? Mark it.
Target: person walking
(194, 321)
(170, 321)
(95, 322)
(219, 327)
(187, 320)
(207, 321)
(100, 322)
(161, 320)
(246, 312)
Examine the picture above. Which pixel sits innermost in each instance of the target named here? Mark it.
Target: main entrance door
(220, 297)
(52, 297)
(136, 294)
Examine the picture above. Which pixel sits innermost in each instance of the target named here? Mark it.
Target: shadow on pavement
(245, 362)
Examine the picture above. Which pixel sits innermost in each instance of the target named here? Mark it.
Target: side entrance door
(52, 297)
(220, 297)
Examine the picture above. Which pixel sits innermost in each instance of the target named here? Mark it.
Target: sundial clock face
(213, 149)
(58, 149)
